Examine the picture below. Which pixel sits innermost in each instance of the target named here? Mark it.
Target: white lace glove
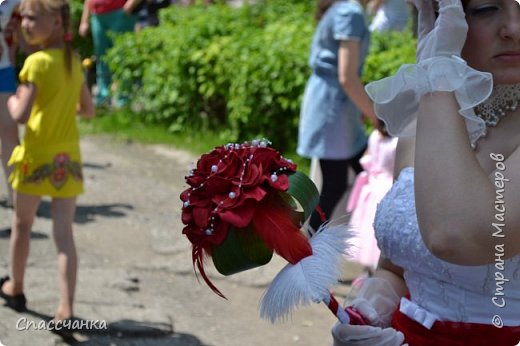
(349, 335)
(376, 301)
(439, 68)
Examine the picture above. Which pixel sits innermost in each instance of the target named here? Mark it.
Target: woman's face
(493, 42)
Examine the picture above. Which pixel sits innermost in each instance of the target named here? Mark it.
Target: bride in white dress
(449, 227)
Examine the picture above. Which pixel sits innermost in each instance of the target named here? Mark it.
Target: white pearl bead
(274, 178)
(209, 231)
(214, 168)
(232, 195)
(186, 204)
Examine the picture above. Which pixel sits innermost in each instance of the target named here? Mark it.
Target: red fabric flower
(227, 186)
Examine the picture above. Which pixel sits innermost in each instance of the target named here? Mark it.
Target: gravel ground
(135, 271)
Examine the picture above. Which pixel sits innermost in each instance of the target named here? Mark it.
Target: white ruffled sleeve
(396, 98)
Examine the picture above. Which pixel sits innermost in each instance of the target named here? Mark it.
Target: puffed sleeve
(33, 70)
(349, 23)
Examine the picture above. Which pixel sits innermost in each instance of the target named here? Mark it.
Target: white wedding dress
(440, 290)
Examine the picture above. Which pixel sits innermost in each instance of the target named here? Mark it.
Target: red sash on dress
(447, 333)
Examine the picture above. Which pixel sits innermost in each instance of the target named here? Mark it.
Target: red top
(104, 6)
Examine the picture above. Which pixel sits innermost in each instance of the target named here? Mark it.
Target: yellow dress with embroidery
(48, 161)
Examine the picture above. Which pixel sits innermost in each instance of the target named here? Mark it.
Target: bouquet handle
(345, 316)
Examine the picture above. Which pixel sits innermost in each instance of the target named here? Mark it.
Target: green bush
(388, 51)
(162, 64)
(268, 70)
(241, 70)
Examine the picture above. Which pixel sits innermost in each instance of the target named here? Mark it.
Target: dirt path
(135, 265)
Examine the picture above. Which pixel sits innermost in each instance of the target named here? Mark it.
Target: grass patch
(127, 125)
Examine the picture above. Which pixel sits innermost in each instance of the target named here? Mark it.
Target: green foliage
(268, 67)
(242, 69)
(388, 51)
(237, 71)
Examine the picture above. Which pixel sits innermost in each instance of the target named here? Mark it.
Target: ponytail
(67, 37)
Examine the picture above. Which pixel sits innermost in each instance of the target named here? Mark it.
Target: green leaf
(304, 191)
(242, 249)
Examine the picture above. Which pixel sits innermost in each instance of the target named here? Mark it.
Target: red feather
(197, 256)
(273, 223)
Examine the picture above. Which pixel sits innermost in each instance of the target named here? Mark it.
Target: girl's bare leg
(63, 210)
(25, 207)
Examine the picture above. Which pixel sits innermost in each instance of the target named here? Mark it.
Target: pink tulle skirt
(367, 192)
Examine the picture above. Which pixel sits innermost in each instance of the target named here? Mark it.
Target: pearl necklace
(503, 99)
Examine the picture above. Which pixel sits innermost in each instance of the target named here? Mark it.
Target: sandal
(17, 302)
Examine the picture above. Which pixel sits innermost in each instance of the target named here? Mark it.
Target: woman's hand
(83, 29)
(444, 36)
(349, 335)
(376, 301)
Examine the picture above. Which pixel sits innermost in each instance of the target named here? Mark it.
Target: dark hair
(322, 7)
(382, 128)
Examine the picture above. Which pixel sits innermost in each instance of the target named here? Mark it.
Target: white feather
(311, 278)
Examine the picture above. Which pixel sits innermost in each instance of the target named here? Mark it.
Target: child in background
(8, 128)
(47, 162)
(370, 187)
(103, 18)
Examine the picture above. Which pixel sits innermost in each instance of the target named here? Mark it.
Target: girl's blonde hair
(61, 7)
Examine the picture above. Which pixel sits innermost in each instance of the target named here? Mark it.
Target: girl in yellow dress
(47, 162)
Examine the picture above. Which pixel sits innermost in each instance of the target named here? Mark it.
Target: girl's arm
(348, 61)
(86, 107)
(20, 104)
(466, 215)
(84, 24)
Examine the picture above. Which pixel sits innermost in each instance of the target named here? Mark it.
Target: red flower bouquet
(246, 201)
(237, 197)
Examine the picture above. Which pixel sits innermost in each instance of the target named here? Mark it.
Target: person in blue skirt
(335, 103)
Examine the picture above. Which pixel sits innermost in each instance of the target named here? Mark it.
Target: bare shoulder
(404, 154)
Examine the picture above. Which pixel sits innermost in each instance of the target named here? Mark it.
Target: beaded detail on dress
(453, 292)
